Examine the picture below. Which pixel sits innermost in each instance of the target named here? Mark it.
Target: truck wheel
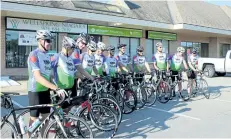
(221, 73)
(209, 71)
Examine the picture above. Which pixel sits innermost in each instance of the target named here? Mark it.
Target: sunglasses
(83, 43)
(140, 51)
(48, 41)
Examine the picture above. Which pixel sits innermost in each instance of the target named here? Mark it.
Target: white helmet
(101, 45)
(68, 42)
(92, 46)
(44, 34)
(180, 49)
(159, 44)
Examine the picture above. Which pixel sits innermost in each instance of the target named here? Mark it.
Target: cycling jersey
(38, 60)
(193, 60)
(176, 62)
(138, 63)
(111, 66)
(123, 59)
(88, 62)
(76, 56)
(161, 60)
(99, 62)
(64, 70)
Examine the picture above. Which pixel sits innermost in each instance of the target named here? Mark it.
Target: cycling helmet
(68, 42)
(159, 44)
(44, 35)
(101, 45)
(195, 50)
(139, 48)
(92, 46)
(181, 49)
(84, 37)
(111, 48)
(121, 45)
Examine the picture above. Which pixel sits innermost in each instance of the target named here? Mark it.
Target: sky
(227, 2)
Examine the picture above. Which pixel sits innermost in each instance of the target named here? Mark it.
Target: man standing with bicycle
(123, 59)
(175, 62)
(192, 62)
(39, 83)
(100, 59)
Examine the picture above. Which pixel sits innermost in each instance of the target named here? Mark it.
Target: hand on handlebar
(61, 92)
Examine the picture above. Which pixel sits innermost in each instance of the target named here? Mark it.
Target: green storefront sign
(112, 31)
(161, 35)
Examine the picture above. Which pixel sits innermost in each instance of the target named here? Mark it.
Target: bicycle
(163, 89)
(59, 119)
(178, 80)
(200, 85)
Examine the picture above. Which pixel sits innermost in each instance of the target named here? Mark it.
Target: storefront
(21, 37)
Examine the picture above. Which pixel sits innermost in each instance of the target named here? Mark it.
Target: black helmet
(121, 45)
(111, 48)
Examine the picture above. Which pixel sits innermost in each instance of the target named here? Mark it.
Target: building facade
(135, 23)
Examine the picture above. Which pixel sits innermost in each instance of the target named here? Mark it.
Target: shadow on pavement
(150, 119)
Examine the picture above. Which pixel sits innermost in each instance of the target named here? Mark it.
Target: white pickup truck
(212, 66)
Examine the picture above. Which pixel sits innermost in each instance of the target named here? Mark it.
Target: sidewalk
(22, 88)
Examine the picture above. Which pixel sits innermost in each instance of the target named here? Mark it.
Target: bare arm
(40, 79)
(82, 71)
(147, 67)
(191, 66)
(185, 65)
(95, 70)
(155, 66)
(123, 67)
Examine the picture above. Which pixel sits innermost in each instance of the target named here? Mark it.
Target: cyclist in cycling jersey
(139, 63)
(88, 59)
(175, 62)
(111, 63)
(160, 59)
(123, 59)
(192, 62)
(100, 58)
(64, 68)
(39, 83)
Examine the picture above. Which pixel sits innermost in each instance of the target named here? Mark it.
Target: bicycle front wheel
(184, 94)
(203, 88)
(163, 92)
(74, 127)
(151, 96)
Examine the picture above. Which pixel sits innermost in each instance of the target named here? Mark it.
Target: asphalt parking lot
(197, 118)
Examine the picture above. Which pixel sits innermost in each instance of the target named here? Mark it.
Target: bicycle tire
(69, 117)
(141, 96)
(129, 95)
(184, 92)
(205, 92)
(13, 132)
(115, 108)
(151, 96)
(159, 91)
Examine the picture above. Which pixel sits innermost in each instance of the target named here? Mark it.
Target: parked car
(212, 66)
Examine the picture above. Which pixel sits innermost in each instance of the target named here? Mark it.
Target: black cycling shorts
(38, 98)
(191, 74)
(175, 73)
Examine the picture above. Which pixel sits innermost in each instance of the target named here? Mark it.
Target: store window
(224, 49)
(202, 47)
(131, 43)
(16, 55)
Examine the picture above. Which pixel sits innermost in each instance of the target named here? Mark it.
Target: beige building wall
(192, 38)
(214, 47)
(225, 40)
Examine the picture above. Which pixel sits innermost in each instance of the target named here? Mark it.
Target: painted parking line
(138, 121)
(177, 114)
(223, 100)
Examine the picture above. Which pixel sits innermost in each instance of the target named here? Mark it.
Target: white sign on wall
(31, 24)
(27, 39)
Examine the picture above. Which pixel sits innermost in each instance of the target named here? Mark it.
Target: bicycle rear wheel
(8, 130)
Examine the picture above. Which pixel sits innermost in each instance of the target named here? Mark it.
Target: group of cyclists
(65, 70)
